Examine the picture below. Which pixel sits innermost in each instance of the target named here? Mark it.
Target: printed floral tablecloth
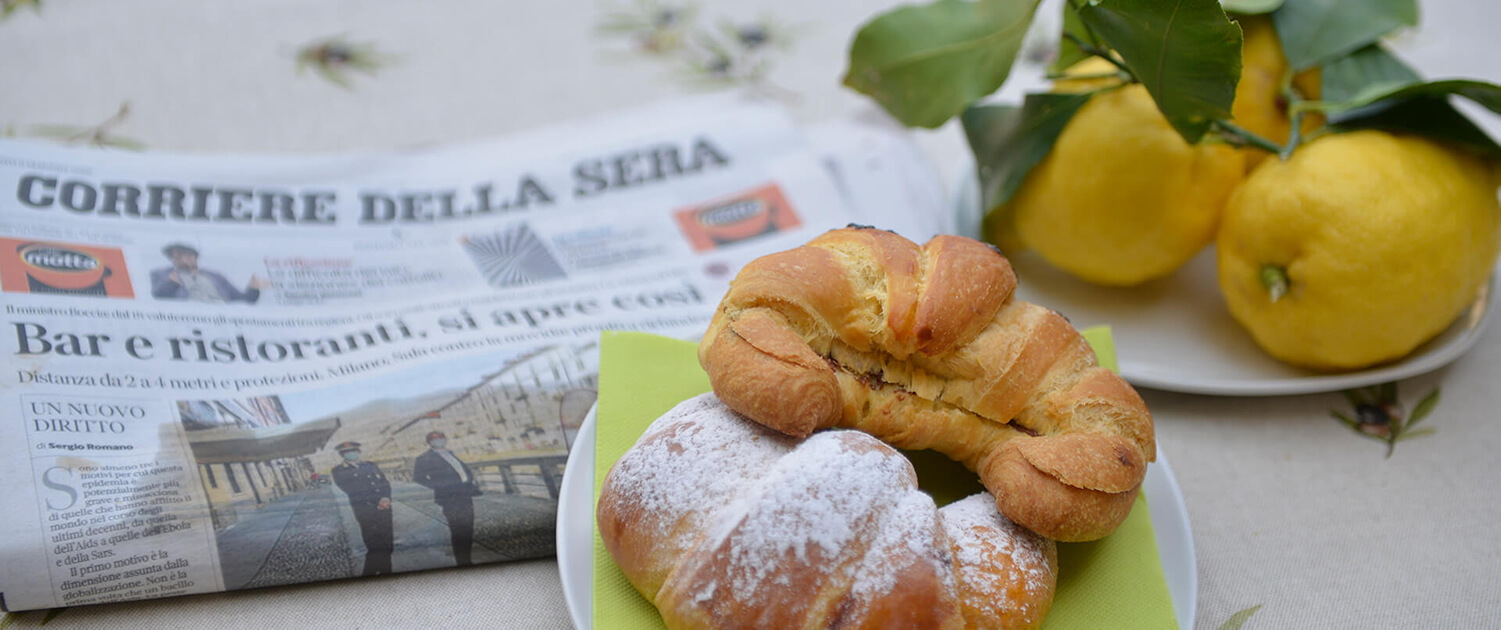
(1301, 520)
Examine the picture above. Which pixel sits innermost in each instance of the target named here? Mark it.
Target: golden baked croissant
(722, 523)
(925, 348)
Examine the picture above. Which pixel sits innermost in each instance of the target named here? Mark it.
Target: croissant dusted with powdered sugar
(925, 348)
(722, 523)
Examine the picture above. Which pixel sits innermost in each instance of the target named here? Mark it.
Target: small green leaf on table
(1345, 420)
(924, 64)
(1415, 433)
(1314, 32)
(52, 614)
(1240, 618)
(1378, 415)
(1423, 408)
(1186, 52)
(8, 7)
(1250, 7)
(1009, 141)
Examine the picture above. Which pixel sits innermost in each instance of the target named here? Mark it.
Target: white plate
(1176, 334)
(576, 526)
(576, 533)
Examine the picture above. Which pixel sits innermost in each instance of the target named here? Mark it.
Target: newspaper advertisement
(234, 372)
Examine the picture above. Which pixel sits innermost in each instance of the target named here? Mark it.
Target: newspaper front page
(236, 372)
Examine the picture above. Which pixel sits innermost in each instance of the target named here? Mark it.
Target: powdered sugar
(908, 531)
(811, 505)
(775, 511)
(691, 461)
(980, 534)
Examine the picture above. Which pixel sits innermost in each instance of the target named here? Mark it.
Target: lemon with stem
(1262, 101)
(1121, 198)
(1358, 248)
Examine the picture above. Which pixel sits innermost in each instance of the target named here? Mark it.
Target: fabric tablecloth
(1297, 521)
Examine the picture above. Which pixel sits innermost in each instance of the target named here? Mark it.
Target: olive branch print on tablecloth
(8, 620)
(9, 7)
(101, 135)
(1239, 618)
(334, 58)
(726, 54)
(1378, 414)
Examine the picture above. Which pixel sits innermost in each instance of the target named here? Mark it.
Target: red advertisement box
(31, 266)
(744, 216)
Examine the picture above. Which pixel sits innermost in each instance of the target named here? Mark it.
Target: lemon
(1260, 107)
(1088, 74)
(1121, 198)
(1379, 242)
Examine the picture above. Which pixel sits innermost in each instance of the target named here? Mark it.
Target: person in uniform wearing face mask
(454, 488)
(370, 499)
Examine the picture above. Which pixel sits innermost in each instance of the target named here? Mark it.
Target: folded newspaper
(230, 372)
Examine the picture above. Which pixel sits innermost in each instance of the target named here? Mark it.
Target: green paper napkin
(1103, 343)
(1112, 583)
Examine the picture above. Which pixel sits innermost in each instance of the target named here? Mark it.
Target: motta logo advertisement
(745, 216)
(28, 266)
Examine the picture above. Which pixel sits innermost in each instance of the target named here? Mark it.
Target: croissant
(722, 523)
(925, 348)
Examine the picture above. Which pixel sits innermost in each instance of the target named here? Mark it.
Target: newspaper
(231, 372)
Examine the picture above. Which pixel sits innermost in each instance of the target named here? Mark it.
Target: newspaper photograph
(236, 372)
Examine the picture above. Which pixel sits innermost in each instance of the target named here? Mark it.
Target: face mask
(351, 456)
(438, 443)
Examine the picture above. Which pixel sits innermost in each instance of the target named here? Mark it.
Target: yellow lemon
(1121, 198)
(1375, 242)
(1000, 224)
(1260, 107)
(1092, 73)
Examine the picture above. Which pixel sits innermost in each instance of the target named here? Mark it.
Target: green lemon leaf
(1425, 115)
(1250, 7)
(1008, 141)
(1372, 74)
(1487, 95)
(1069, 52)
(1365, 72)
(1186, 52)
(926, 63)
(1314, 32)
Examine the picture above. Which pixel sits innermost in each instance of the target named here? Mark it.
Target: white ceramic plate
(1175, 333)
(576, 533)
